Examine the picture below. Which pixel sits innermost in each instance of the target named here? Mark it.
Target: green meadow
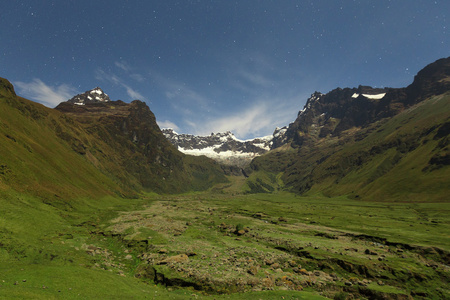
(222, 246)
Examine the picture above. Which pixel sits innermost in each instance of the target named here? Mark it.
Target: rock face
(141, 157)
(328, 115)
(222, 147)
(92, 96)
(358, 141)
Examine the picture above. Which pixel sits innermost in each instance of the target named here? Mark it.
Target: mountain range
(222, 147)
(350, 141)
(101, 147)
(349, 200)
(390, 143)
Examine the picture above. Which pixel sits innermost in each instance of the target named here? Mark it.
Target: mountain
(45, 153)
(140, 155)
(92, 96)
(389, 143)
(222, 147)
(103, 147)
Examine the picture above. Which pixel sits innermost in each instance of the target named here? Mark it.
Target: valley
(218, 246)
(350, 201)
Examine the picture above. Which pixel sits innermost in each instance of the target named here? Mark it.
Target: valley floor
(268, 246)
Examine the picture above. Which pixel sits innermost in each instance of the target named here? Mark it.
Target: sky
(203, 66)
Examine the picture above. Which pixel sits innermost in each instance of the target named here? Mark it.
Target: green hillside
(40, 153)
(403, 158)
(344, 144)
(95, 203)
(87, 154)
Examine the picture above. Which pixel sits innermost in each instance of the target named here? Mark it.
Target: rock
(304, 272)
(174, 259)
(267, 282)
(282, 219)
(351, 249)
(129, 257)
(253, 270)
(370, 252)
(275, 266)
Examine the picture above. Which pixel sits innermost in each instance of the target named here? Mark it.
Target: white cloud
(132, 93)
(259, 119)
(123, 65)
(102, 75)
(255, 78)
(180, 93)
(137, 77)
(47, 95)
(168, 124)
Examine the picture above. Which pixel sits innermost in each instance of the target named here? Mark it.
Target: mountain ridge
(222, 147)
(146, 157)
(344, 143)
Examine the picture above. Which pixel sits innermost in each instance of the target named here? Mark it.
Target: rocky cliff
(368, 143)
(141, 154)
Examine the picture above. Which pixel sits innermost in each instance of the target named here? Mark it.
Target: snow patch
(211, 153)
(375, 97)
(97, 90)
(368, 96)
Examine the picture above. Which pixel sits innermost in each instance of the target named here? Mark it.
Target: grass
(398, 159)
(67, 232)
(313, 233)
(293, 247)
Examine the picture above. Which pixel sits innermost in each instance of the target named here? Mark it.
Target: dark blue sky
(207, 66)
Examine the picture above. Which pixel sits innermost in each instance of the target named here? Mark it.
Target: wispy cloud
(48, 95)
(180, 94)
(102, 75)
(257, 79)
(258, 119)
(168, 124)
(123, 65)
(251, 101)
(129, 71)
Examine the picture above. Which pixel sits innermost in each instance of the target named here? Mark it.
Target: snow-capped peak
(91, 96)
(222, 146)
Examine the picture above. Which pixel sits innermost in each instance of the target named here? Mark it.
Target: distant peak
(92, 96)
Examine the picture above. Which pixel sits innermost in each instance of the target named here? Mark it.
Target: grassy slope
(401, 169)
(54, 235)
(388, 161)
(34, 159)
